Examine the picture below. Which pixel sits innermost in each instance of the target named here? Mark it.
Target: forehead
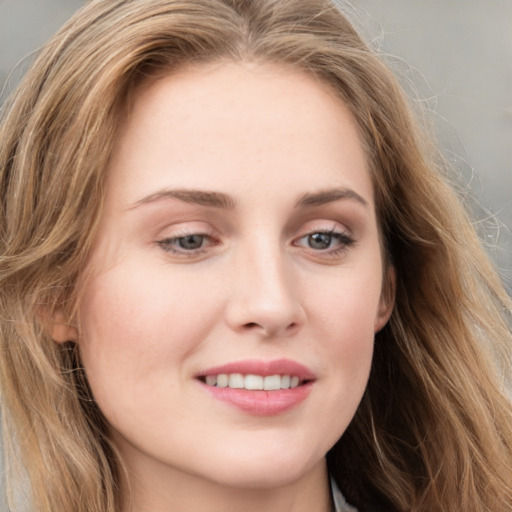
(220, 123)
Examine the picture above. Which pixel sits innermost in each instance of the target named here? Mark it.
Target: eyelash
(344, 242)
(170, 244)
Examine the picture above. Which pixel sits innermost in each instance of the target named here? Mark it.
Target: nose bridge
(265, 297)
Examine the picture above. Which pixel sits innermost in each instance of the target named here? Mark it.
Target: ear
(387, 298)
(60, 329)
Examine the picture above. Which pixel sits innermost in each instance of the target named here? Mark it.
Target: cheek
(343, 326)
(348, 304)
(349, 346)
(135, 328)
(343, 338)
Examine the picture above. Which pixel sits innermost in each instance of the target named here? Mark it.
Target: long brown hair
(434, 429)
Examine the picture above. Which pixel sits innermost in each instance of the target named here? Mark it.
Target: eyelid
(335, 233)
(167, 240)
(323, 226)
(184, 228)
(335, 230)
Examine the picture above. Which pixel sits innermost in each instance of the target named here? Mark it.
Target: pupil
(319, 240)
(191, 242)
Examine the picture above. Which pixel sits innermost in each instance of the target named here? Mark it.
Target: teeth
(272, 382)
(236, 381)
(222, 380)
(211, 380)
(253, 382)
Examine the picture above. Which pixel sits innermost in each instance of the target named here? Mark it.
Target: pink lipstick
(262, 388)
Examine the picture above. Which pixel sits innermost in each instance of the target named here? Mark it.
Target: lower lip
(262, 403)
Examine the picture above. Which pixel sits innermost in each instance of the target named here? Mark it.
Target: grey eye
(319, 240)
(191, 242)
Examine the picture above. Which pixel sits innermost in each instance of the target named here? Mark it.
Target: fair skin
(239, 228)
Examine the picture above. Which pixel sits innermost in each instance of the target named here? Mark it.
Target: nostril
(270, 330)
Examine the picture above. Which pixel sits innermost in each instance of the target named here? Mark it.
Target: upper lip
(263, 368)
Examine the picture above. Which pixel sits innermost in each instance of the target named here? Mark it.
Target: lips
(259, 387)
(253, 382)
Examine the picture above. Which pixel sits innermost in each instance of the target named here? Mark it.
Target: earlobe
(60, 329)
(387, 299)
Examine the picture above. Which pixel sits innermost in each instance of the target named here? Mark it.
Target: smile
(253, 382)
(260, 388)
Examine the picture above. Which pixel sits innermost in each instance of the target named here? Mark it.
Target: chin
(267, 470)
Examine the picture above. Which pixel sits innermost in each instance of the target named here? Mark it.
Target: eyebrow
(200, 197)
(224, 201)
(328, 196)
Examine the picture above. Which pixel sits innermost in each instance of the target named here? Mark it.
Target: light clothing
(340, 505)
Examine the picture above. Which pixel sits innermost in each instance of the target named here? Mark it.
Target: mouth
(253, 382)
(261, 388)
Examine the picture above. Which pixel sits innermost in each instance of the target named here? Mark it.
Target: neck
(181, 492)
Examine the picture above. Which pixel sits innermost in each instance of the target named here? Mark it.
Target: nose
(265, 298)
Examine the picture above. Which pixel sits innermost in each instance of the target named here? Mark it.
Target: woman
(234, 278)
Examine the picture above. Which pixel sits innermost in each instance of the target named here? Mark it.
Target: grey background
(457, 53)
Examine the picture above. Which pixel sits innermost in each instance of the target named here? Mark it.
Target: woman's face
(238, 249)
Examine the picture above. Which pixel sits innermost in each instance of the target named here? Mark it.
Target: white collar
(340, 504)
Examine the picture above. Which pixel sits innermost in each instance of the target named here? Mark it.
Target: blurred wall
(458, 53)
